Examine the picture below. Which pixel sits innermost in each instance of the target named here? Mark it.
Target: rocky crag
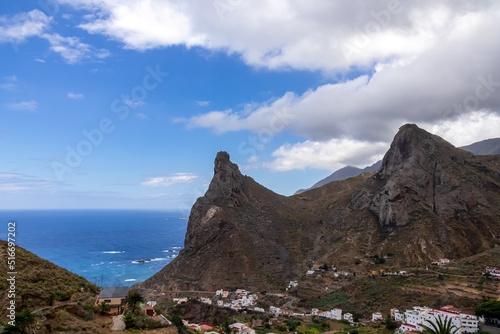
(428, 200)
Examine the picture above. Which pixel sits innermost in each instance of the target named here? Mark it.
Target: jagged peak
(227, 183)
(223, 163)
(412, 142)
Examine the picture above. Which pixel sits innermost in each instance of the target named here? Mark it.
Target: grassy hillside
(39, 282)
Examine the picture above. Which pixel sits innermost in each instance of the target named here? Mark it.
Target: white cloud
(40, 60)
(337, 153)
(19, 27)
(330, 155)
(322, 35)
(169, 180)
(24, 105)
(467, 129)
(141, 115)
(203, 103)
(73, 50)
(76, 96)
(371, 108)
(423, 62)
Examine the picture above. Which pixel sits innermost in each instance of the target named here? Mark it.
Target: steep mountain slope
(428, 200)
(240, 234)
(485, 147)
(38, 281)
(342, 174)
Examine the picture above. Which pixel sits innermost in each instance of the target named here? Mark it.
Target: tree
(134, 299)
(292, 324)
(489, 309)
(103, 307)
(440, 326)
(129, 320)
(225, 327)
(24, 320)
(390, 324)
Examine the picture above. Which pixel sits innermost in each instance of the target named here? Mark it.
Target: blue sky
(291, 91)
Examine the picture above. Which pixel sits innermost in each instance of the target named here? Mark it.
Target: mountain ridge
(484, 147)
(428, 200)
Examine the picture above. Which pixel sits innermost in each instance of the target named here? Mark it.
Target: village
(245, 302)
(411, 320)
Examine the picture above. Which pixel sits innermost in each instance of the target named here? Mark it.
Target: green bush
(335, 299)
(489, 309)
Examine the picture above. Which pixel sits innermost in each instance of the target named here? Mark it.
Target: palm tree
(440, 326)
(103, 307)
(133, 299)
(24, 320)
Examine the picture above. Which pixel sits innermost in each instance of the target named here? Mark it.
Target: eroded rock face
(421, 175)
(227, 183)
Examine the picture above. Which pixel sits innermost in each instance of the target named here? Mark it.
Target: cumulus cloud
(440, 84)
(330, 155)
(385, 62)
(321, 35)
(17, 28)
(468, 128)
(24, 105)
(75, 96)
(166, 181)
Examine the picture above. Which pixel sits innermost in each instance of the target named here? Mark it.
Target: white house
(444, 261)
(274, 310)
(222, 293)
(396, 315)
(293, 284)
(335, 314)
(241, 292)
(181, 300)
(348, 317)
(206, 300)
(407, 327)
(241, 328)
(310, 273)
(377, 316)
(414, 319)
(493, 272)
(469, 322)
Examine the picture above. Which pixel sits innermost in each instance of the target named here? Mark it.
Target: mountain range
(427, 200)
(485, 147)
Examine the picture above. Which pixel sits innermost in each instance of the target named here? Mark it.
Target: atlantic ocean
(103, 246)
